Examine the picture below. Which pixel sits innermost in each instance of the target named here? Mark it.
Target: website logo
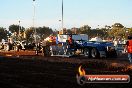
(82, 78)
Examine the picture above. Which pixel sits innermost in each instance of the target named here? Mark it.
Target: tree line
(20, 33)
(117, 30)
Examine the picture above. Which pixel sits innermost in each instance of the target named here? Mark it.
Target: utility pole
(34, 22)
(35, 34)
(62, 19)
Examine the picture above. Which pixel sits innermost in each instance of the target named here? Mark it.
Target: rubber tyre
(94, 53)
(87, 52)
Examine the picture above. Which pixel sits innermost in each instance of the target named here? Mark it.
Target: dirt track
(56, 72)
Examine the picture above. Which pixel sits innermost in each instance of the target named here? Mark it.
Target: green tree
(44, 32)
(17, 32)
(3, 33)
(117, 30)
(69, 31)
(103, 32)
(85, 29)
(98, 32)
(41, 33)
(29, 34)
(129, 31)
(15, 28)
(73, 30)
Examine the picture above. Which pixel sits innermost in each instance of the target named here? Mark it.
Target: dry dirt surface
(25, 70)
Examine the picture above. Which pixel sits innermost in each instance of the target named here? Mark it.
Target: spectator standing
(129, 48)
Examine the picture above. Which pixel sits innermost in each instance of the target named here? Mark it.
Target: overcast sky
(76, 13)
